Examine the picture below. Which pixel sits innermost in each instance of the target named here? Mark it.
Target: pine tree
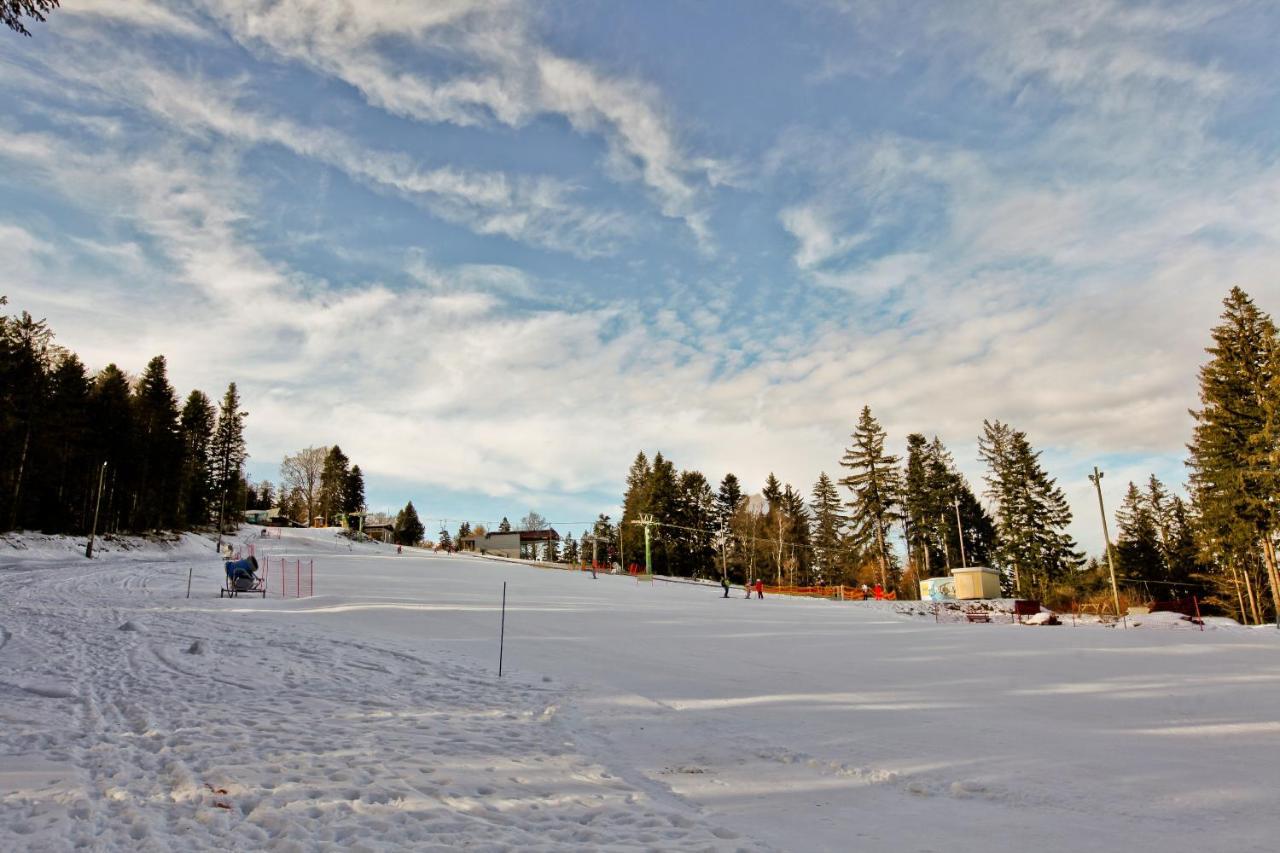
(1233, 451)
(25, 361)
(111, 413)
(353, 492)
(159, 447)
(228, 451)
(464, 530)
(334, 479)
(1138, 547)
(196, 488)
(571, 555)
(920, 502)
(828, 524)
(1181, 555)
(68, 475)
(407, 529)
(1033, 512)
(445, 541)
(729, 499)
(635, 502)
(504, 526)
(876, 485)
(798, 558)
(696, 521)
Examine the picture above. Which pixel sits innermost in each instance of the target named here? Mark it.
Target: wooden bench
(978, 615)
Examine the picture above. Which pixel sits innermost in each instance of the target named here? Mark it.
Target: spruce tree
(729, 500)
(504, 526)
(159, 447)
(65, 446)
(407, 529)
(196, 428)
(228, 452)
(1138, 548)
(920, 502)
(876, 485)
(828, 524)
(635, 502)
(353, 491)
(1033, 512)
(111, 413)
(334, 480)
(25, 363)
(1233, 451)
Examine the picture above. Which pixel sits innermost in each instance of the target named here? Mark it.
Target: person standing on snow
(865, 589)
(759, 588)
(724, 582)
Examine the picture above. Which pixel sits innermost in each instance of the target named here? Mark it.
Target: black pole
(502, 632)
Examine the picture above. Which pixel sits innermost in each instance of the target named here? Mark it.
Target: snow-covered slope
(630, 716)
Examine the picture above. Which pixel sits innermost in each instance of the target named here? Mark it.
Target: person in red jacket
(759, 588)
(879, 592)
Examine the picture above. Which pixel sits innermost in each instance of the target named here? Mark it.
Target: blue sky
(494, 249)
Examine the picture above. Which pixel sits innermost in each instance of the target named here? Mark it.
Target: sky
(493, 249)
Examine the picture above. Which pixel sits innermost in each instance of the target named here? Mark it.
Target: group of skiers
(757, 586)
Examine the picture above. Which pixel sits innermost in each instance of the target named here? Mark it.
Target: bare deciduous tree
(302, 471)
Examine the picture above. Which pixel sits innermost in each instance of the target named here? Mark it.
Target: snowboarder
(724, 582)
(759, 588)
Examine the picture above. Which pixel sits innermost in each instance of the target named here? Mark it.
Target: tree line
(893, 521)
(75, 444)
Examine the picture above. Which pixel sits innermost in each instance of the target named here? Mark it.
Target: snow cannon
(242, 576)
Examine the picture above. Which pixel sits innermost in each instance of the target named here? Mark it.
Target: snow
(630, 716)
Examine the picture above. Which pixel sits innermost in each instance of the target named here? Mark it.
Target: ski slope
(630, 716)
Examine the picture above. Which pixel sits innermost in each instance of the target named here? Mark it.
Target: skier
(593, 570)
(865, 589)
(759, 588)
(879, 592)
(746, 587)
(724, 582)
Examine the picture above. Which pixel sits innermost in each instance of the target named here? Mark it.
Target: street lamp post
(97, 504)
(1096, 479)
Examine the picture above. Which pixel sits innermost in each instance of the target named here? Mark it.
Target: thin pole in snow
(502, 631)
(188, 581)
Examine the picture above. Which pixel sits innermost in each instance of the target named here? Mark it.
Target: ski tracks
(229, 730)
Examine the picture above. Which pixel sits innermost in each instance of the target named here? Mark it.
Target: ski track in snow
(282, 739)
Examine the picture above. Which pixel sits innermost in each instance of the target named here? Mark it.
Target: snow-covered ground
(630, 716)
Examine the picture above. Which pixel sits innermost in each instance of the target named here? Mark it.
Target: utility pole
(97, 504)
(1096, 479)
(964, 560)
(647, 522)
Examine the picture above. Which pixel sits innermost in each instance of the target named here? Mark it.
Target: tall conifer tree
(876, 485)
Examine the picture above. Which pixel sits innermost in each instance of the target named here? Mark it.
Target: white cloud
(140, 15)
(506, 77)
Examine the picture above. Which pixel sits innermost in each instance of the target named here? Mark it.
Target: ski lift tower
(646, 521)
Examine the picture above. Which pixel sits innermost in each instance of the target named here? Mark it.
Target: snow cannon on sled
(242, 578)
